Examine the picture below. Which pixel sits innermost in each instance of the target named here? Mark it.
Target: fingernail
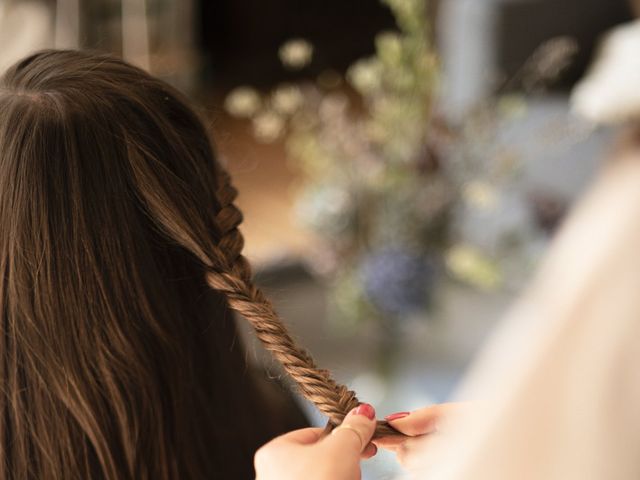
(396, 416)
(366, 410)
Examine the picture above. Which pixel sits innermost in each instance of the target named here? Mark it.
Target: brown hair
(115, 357)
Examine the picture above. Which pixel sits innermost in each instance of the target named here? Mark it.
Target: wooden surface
(267, 185)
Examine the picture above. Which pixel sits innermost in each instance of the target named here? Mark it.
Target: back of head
(119, 259)
(116, 358)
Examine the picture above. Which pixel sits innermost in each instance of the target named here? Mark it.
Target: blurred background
(402, 164)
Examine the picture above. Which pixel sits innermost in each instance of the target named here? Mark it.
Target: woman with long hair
(121, 263)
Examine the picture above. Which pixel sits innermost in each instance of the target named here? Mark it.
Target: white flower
(480, 195)
(268, 126)
(287, 99)
(470, 265)
(365, 75)
(242, 102)
(333, 106)
(610, 93)
(389, 47)
(296, 53)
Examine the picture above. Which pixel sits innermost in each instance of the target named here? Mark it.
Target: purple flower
(397, 281)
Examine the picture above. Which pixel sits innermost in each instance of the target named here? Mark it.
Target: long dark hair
(120, 259)
(117, 360)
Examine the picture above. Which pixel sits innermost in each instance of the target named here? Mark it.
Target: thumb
(355, 432)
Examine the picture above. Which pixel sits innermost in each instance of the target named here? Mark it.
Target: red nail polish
(375, 449)
(396, 416)
(366, 410)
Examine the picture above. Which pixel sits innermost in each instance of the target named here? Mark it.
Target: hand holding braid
(231, 275)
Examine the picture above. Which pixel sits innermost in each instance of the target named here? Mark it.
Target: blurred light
(480, 195)
(469, 265)
(242, 102)
(365, 75)
(389, 46)
(287, 99)
(296, 53)
(268, 126)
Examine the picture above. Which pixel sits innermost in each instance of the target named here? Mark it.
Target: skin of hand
(310, 454)
(418, 426)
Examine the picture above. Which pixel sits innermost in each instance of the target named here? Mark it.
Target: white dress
(556, 393)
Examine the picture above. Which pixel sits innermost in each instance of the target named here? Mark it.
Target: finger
(355, 432)
(411, 451)
(304, 436)
(270, 452)
(389, 443)
(424, 420)
(369, 451)
(394, 450)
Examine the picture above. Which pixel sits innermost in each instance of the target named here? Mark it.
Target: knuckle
(348, 439)
(364, 426)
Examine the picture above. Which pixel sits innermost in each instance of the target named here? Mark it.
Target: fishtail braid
(231, 275)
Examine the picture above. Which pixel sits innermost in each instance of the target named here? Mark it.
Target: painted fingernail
(374, 448)
(366, 410)
(396, 416)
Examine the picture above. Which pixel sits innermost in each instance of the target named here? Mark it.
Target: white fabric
(556, 393)
(610, 93)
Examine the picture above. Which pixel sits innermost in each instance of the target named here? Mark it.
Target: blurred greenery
(388, 180)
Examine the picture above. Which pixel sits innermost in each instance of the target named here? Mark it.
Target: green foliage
(385, 176)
